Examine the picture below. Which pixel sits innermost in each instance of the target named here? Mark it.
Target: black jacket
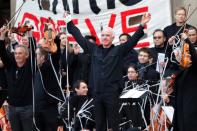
(106, 63)
(185, 92)
(19, 78)
(46, 82)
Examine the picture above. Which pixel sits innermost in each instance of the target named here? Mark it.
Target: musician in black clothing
(19, 73)
(47, 90)
(176, 29)
(146, 70)
(192, 35)
(106, 61)
(159, 40)
(185, 93)
(180, 18)
(66, 59)
(76, 104)
(130, 109)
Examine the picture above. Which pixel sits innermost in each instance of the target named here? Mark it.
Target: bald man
(106, 71)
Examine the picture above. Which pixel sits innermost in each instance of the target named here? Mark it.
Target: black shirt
(171, 30)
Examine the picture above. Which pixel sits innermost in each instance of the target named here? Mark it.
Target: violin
(185, 56)
(49, 36)
(4, 123)
(21, 30)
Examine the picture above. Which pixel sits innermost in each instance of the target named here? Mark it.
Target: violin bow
(187, 12)
(17, 12)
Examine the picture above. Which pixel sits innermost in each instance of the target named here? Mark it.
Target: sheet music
(133, 93)
(160, 59)
(169, 111)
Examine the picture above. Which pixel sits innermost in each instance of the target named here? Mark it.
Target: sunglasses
(159, 37)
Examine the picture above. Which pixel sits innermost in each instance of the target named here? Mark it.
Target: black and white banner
(92, 15)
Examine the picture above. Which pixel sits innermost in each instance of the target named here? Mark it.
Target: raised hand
(3, 31)
(184, 36)
(171, 40)
(145, 19)
(76, 49)
(67, 17)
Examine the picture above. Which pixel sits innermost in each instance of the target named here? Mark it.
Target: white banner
(92, 15)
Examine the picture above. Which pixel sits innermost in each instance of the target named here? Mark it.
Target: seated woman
(131, 110)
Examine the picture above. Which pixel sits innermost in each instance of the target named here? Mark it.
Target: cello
(160, 122)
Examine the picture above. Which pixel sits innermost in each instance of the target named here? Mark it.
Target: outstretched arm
(83, 42)
(137, 35)
(3, 53)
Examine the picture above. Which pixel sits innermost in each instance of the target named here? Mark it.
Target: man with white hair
(106, 65)
(19, 72)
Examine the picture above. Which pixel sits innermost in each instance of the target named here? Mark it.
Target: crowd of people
(81, 86)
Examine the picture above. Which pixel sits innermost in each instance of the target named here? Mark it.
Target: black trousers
(106, 111)
(21, 118)
(47, 119)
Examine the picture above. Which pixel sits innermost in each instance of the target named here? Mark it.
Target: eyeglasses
(159, 37)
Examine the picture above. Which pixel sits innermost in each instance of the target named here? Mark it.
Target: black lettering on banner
(111, 4)
(94, 7)
(75, 6)
(130, 2)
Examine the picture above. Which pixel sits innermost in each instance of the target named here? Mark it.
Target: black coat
(106, 63)
(185, 91)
